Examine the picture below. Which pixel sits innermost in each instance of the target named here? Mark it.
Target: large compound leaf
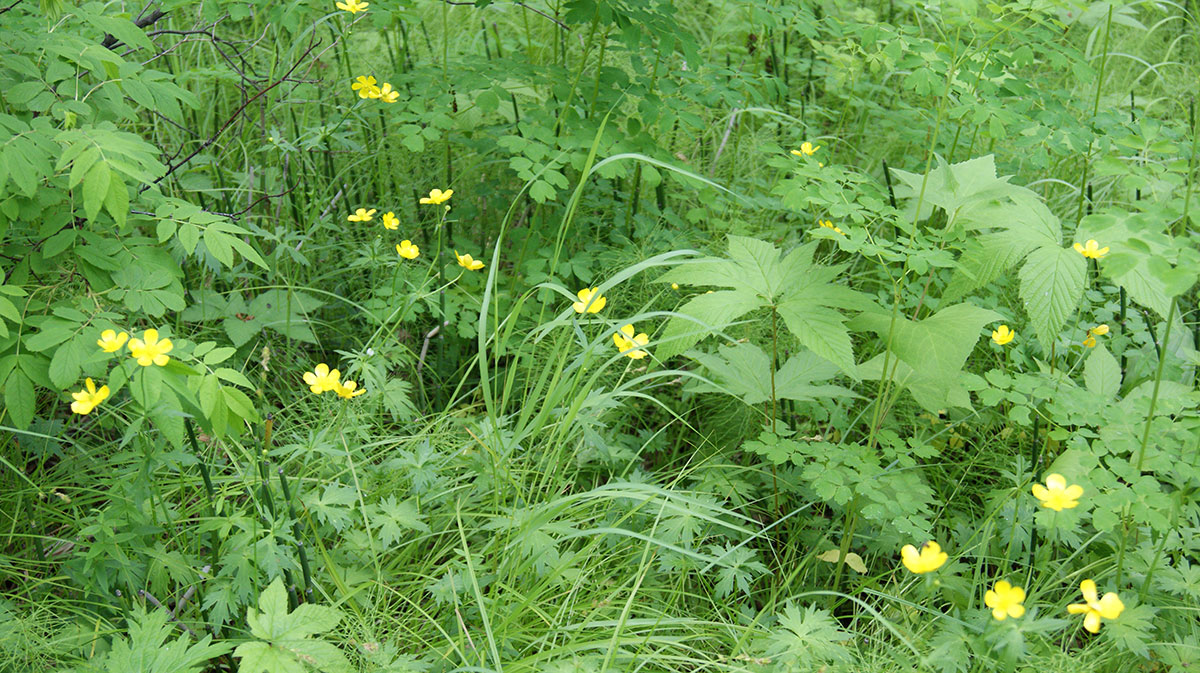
(1051, 286)
(744, 369)
(932, 351)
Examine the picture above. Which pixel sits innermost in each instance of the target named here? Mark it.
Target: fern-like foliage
(756, 275)
(804, 638)
(148, 649)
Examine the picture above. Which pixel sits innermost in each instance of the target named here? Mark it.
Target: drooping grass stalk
(1087, 158)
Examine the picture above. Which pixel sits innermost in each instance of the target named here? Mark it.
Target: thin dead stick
(170, 615)
(425, 346)
(724, 139)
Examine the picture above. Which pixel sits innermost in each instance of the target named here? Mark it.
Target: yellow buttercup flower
(807, 149)
(829, 225)
(1091, 249)
(1056, 494)
(110, 341)
(349, 390)
(437, 196)
(1003, 335)
(362, 215)
(674, 286)
(149, 350)
(929, 558)
(1099, 330)
(468, 263)
(322, 379)
(390, 221)
(1005, 601)
(387, 94)
(629, 343)
(1110, 607)
(353, 6)
(590, 300)
(89, 398)
(407, 249)
(365, 86)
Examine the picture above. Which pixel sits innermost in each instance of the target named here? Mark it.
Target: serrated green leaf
(1102, 374)
(95, 189)
(932, 351)
(219, 246)
(705, 314)
(1052, 280)
(19, 400)
(65, 365)
(822, 330)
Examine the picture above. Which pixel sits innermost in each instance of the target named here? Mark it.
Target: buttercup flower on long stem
(1110, 607)
(349, 390)
(807, 149)
(437, 196)
(1005, 601)
(467, 262)
(365, 86)
(1056, 494)
(1091, 249)
(407, 249)
(387, 94)
(629, 343)
(390, 221)
(89, 398)
(1003, 335)
(110, 341)
(590, 300)
(149, 350)
(353, 6)
(322, 379)
(929, 558)
(361, 215)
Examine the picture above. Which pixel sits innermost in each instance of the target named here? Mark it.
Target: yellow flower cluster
(826, 224)
(368, 87)
(1006, 600)
(149, 350)
(1099, 330)
(323, 379)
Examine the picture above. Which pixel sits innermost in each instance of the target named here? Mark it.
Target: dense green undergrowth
(599, 335)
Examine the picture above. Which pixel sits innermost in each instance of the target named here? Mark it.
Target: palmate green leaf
(804, 293)
(954, 188)
(1015, 225)
(147, 649)
(822, 330)
(1052, 281)
(285, 643)
(932, 351)
(1145, 259)
(745, 370)
(709, 313)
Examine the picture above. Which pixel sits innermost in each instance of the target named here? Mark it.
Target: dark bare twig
(236, 115)
(111, 41)
(15, 3)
